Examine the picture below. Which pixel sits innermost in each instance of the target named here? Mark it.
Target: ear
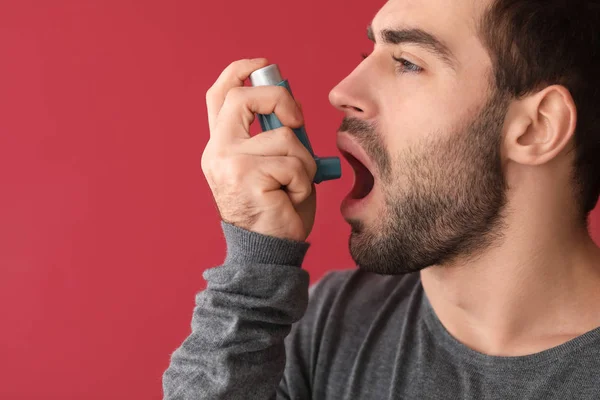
(540, 126)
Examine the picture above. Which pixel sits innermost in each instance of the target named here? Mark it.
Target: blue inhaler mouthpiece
(328, 168)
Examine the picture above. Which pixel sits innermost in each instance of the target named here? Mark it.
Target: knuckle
(209, 93)
(235, 95)
(296, 164)
(233, 64)
(206, 159)
(303, 183)
(287, 135)
(231, 68)
(236, 64)
(282, 92)
(211, 168)
(306, 190)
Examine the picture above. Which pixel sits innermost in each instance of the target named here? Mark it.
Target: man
(474, 137)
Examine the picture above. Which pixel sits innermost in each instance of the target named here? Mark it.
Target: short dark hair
(537, 43)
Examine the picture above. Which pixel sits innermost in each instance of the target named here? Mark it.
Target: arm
(236, 347)
(264, 191)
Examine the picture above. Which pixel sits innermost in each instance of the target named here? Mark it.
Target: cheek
(418, 109)
(409, 123)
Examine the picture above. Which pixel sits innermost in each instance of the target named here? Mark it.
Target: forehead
(454, 22)
(445, 15)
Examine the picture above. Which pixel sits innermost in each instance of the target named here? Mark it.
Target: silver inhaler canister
(328, 168)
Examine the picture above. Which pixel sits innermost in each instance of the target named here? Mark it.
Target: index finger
(233, 76)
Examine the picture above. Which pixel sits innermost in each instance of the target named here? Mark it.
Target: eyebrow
(417, 37)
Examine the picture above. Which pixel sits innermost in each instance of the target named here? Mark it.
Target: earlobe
(542, 126)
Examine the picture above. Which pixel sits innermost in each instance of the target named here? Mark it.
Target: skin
(531, 281)
(246, 174)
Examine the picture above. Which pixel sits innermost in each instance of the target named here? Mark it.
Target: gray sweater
(260, 332)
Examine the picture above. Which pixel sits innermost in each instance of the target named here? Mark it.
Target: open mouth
(364, 179)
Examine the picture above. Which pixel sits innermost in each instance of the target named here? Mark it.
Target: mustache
(358, 128)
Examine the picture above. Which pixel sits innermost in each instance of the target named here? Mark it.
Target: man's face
(428, 126)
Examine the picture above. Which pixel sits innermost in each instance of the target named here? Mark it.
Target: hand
(263, 183)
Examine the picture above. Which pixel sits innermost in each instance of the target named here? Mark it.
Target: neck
(535, 290)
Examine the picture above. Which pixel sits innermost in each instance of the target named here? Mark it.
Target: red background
(106, 222)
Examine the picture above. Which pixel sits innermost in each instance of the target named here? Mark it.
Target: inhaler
(328, 168)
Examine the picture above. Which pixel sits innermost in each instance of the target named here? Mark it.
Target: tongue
(364, 181)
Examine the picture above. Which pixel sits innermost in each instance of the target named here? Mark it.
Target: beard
(443, 197)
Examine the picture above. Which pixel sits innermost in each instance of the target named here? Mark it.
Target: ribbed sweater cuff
(246, 247)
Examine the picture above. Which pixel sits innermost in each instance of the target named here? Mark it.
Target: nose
(352, 95)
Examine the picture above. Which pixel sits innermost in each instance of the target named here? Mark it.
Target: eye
(406, 66)
(403, 64)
